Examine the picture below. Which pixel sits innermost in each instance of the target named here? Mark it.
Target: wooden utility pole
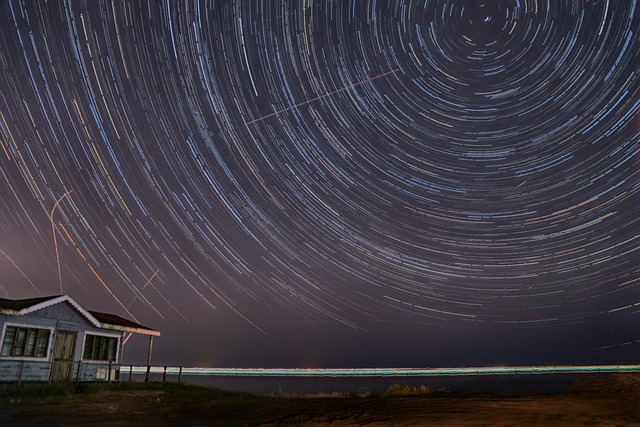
(146, 377)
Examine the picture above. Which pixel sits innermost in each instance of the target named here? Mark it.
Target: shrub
(405, 390)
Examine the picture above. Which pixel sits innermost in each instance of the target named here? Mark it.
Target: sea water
(314, 385)
(309, 381)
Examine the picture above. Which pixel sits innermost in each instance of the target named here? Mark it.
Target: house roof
(121, 324)
(19, 304)
(99, 320)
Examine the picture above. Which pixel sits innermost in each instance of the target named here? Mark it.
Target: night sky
(320, 183)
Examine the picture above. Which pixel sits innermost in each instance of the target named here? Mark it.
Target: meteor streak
(309, 101)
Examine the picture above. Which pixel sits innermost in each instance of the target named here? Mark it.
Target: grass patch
(122, 404)
(34, 390)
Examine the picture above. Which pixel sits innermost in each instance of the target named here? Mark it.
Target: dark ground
(611, 401)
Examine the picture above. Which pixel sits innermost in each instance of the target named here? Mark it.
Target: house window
(25, 342)
(100, 347)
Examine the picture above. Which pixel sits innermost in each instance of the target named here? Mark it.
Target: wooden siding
(24, 370)
(62, 312)
(59, 317)
(30, 370)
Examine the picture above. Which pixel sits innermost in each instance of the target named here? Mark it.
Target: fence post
(180, 375)
(164, 375)
(78, 373)
(130, 371)
(109, 373)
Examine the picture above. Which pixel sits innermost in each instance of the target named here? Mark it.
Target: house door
(63, 356)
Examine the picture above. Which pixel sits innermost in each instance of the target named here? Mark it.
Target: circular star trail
(338, 162)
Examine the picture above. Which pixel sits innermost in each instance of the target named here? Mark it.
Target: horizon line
(380, 372)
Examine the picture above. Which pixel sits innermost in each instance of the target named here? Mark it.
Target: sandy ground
(614, 401)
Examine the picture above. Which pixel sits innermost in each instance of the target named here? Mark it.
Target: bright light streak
(55, 239)
(390, 372)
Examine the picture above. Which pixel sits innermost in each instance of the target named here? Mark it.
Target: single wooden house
(55, 339)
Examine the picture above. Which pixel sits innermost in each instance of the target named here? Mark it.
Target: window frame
(28, 326)
(101, 334)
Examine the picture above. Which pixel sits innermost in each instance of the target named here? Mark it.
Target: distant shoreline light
(381, 372)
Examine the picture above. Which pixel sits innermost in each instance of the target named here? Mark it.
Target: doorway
(63, 356)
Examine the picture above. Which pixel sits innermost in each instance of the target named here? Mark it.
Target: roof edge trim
(57, 300)
(120, 328)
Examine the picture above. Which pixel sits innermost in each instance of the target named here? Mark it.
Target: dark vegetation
(611, 401)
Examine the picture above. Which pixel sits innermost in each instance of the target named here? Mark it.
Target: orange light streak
(21, 272)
